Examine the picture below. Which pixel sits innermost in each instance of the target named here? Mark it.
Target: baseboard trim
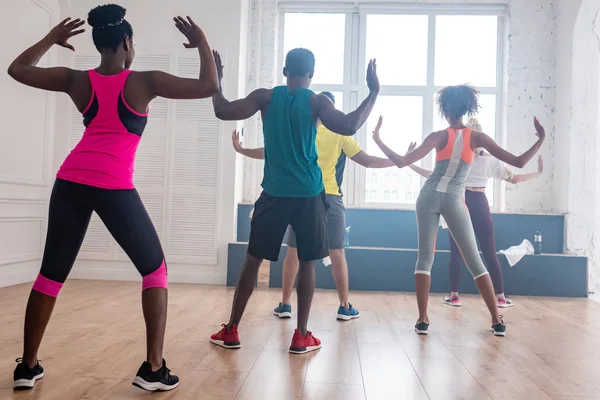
(18, 273)
(124, 271)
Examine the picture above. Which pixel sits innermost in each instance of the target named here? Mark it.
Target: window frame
(355, 90)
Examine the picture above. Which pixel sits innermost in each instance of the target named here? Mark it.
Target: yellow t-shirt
(333, 150)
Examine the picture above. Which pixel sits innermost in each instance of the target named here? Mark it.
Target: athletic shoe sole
(501, 334)
(505, 305)
(451, 305)
(342, 317)
(422, 332)
(226, 345)
(283, 315)
(152, 386)
(25, 384)
(304, 350)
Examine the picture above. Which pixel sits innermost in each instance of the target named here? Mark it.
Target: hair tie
(112, 24)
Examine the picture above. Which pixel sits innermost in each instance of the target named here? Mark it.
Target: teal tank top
(291, 168)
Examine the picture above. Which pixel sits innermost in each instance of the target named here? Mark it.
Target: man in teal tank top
(291, 168)
(293, 186)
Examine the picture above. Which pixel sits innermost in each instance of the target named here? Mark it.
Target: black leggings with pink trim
(123, 214)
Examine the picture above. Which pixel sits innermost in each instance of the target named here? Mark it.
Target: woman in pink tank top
(97, 176)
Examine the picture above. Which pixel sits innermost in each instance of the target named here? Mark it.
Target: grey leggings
(430, 205)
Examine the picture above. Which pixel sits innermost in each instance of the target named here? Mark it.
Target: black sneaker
(499, 329)
(422, 328)
(25, 377)
(158, 381)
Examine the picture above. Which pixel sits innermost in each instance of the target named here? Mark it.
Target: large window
(324, 35)
(419, 50)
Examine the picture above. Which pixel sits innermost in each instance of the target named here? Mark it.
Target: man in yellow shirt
(333, 150)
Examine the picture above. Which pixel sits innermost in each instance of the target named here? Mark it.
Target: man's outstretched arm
(347, 124)
(239, 109)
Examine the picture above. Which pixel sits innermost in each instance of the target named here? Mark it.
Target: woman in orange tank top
(444, 191)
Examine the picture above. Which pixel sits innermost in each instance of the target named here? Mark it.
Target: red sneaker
(304, 344)
(227, 338)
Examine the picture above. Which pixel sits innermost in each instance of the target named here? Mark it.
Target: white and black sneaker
(504, 302)
(422, 328)
(499, 329)
(155, 381)
(25, 377)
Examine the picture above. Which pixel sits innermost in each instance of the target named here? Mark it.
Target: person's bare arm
(479, 139)
(421, 171)
(57, 79)
(420, 152)
(347, 124)
(257, 154)
(239, 109)
(173, 87)
(369, 161)
(519, 178)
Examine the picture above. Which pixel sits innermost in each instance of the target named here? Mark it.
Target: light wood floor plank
(95, 343)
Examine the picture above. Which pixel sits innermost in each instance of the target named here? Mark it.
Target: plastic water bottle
(537, 243)
(347, 236)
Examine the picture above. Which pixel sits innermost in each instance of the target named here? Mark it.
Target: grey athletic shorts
(336, 224)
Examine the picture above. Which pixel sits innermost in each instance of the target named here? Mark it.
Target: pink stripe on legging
(157, 279)
(47, 286)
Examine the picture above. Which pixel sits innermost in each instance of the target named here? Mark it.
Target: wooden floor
(95, 343)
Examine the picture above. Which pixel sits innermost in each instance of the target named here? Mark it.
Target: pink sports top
(105, 155)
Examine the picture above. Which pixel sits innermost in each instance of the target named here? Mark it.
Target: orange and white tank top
(452, 164)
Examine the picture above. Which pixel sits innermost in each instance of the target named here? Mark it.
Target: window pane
(324, 35)
(477, 65)
(339, 100)
(403, 123)
(399, 42)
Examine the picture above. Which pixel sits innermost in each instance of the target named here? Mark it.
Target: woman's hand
(411, 147)
(376, 137)
(218, 64)
(64, 31)
(539, 129)
(237, 144)
(191, 31)
(540, 164)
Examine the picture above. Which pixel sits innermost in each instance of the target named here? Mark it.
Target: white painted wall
(26, 143)
(577, 185)
(531, 83)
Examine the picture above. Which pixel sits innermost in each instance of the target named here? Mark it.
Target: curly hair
(455, 102)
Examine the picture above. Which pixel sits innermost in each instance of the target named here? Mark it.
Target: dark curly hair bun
(106, 16)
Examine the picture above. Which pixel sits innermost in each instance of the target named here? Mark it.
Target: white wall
(531, 65)
(26, 143)
(567, 12)
(577, 186)
(185, 172)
